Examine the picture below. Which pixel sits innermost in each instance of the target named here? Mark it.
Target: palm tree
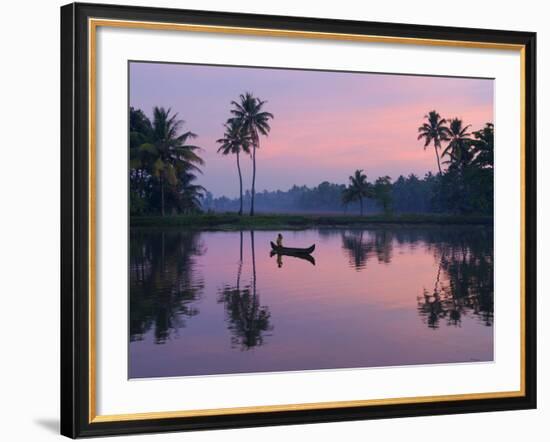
(483, 146)
(166, 154)
(234, 140)
(458, 148)
(434, 131)
(358, 189)
(253, 121)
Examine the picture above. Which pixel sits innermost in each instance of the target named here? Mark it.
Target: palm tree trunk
(253, 191)
(240, 185)
(437, 156)
(361, 206)
(161, 195)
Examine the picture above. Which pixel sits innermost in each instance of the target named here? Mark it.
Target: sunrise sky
(327, 124)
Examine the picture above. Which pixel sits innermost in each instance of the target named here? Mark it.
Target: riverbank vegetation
(232, 221)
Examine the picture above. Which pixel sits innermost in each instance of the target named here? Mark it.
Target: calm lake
(212, 302)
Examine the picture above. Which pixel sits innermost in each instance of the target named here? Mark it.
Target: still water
(217, 302)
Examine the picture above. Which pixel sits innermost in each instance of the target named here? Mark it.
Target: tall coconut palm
(234, 141)
(166, 154)
(458, 148)
(254, 121)
(434, 131)
(358, 189)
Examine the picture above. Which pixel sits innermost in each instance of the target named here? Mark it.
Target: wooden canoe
(292, 250)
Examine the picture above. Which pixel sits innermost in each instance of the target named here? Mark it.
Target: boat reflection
(280, 255)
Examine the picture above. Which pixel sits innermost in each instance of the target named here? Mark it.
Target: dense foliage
(163, 165)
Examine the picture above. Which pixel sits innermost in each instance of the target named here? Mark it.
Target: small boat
(292, 250)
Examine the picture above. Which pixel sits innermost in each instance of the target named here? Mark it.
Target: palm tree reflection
(164, 287)
(247, 319)
(361, 245)
(464, 274)
(464, 281)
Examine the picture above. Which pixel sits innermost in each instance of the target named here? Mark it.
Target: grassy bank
(230, 221)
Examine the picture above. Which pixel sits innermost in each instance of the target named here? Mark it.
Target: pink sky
(327, 124)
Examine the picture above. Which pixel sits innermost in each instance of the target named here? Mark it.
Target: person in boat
(279, 240)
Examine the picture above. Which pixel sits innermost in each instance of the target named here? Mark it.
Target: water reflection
(427, 291)
(164, 284)
(464, 280)
(279, 260)
(247, 319)
(361, 245)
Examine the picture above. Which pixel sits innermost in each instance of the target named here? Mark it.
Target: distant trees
(163, 165)
(359, 188)
(412, 194)
(431, 193)
(464, 187)
(382, 192)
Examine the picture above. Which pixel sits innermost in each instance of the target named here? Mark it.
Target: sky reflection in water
(217, 302)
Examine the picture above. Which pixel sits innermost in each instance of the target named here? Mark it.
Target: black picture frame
(75, 220)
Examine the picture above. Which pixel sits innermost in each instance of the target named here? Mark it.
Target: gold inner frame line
(93, 24)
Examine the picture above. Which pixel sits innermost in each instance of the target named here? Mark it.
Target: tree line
(164, 166)
(465, 187)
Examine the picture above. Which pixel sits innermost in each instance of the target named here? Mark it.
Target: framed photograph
(275, 220)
